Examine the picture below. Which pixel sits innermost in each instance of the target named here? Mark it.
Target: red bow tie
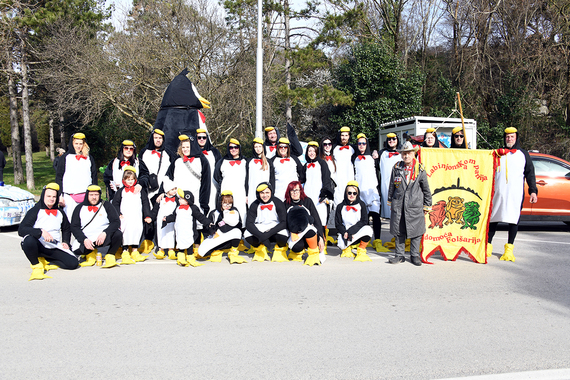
(344, 147)
(362, 157)
(92, 208)
(205, 152)
(256, 161)
(123, 163)
(232, 163)
(393, 154)
(168, 199)
(130, 189)
(504, 151)
(311, 165)
(156, 152)
(329, 158)
(51, 211)
(184, 207)
(270, 207)
(186, 159)
(348, 208)
(80, 156)
(285, 160)
(272, 148)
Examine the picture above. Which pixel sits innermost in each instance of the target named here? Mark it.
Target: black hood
(267, 142)
(398, 144)
(337, 139)
(86, 199)
(219, 204)
(121, 157)
(436, 144)
(188, 196)
(208, 145)
(517, 143)
(253, 154)
(356, 201)
(41, 201)
(150, 145)
(228, 155)
(357, 151)
(257, 193)
(195, 150)
(180, 93)
(307, 154)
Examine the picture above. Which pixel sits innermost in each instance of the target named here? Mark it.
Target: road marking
(533, 241)
(553, 374)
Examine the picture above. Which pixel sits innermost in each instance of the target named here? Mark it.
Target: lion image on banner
(461, 182)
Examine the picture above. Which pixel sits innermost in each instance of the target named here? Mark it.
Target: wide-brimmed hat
(408, 147)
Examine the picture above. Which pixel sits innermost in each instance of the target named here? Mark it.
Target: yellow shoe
(216, 256)
(296, 256)
(172, 254)
(234, 257)
(181, 259)
(489, 249)
(508, 255)
(241, 247)
(347, 252)
(136, 255)
(361, 255)
(251, 250)
(118, 254)
(46, 264)
(110, 261)
(313, 257)
(261, 254)
(279, 254)
(38, 272)
(126, 258)
(329, 238)
(159, 255)
(90, 259)
(377, 244)
(390, 244)
(192, 261)
(146, 246)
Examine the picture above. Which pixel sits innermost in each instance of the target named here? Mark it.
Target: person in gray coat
(410, 199)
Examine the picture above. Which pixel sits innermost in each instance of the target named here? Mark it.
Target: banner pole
(462, 122)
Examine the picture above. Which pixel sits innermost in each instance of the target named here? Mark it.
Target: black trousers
(110, 245)
(34, 249)
(278, 239)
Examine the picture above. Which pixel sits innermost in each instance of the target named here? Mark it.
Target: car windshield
(549, 168)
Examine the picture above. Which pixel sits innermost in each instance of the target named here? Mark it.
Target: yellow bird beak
(205, 103)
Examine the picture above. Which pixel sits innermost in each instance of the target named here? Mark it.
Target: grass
(43, 172)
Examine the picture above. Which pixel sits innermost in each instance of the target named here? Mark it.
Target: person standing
(259, 170)
(388, 156)
(271, 141)
(410, 199)
(113, 176)
(458, 138)
(213, 155)
(515, 167)
(342, 153)
(286, 169)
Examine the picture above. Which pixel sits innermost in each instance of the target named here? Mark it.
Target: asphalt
(342, 320)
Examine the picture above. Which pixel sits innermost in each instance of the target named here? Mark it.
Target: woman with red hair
(304, 226)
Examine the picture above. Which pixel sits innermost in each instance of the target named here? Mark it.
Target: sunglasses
(361, 143)
(226, 204)
(352, 192)
(456, 136)
(234, 147)
(283, 146)
(327, 144)
(391, 138)
(128, 148)
(202, 137)
(296, 190)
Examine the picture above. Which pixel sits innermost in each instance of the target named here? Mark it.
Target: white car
(14, 204)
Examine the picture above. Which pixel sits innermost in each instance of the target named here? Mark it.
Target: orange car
(553, 183)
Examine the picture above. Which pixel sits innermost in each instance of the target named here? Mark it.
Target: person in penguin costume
(266, 224)
(179, 112)
(46, 235)
(231, 174)
(154, 161)
(95, 225)
(326, 149)
(213, 155)
(458, 138)
(514, 168)
(430, 139)
(342, 154)
(272, 137)
(165, 237)
(351, 221)
(258, 168)
(134, 212)
(410, 199)
(184, 219)
(286, 169)
(388, 157)
(304, 226)
(75, 171)
(365, 173)
(318, 184)
(113, 176)
(225, 231)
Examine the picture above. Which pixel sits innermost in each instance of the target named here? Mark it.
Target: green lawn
(43, 172)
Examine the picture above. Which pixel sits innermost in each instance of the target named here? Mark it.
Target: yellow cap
(391, 135)
(234, 141)
(511, 130)
(258, 140)
(456, 129)
(180, 192)
(93, 188)
(128, 143)
(313, 143)
(129, 167)
(227, 192)
(345, 129)
(430, 130)
(361, 135)
(284, 140)
(53, 186)
(79, 135)
(269, 129)
(183, 138)
(158, 131)
(201, 130)
(352, 183)
(261, 187)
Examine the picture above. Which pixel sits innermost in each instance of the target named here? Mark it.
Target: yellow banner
(461, 183)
